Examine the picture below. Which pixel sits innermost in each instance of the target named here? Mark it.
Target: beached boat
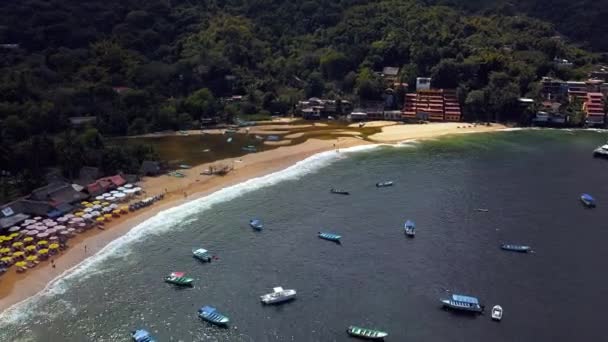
(588, 200)
(256, 224)
(369, 334)
(384, 184)
(201, 254)
(330, 236)
(601, 151)
(273, 138)
(339, 192)
(516, 248)
(462, 303)
(210, 314)
(497, 312)
(250, 148)
(141, 335)
(179, 278)
(230, 131)
(279, 295)
(410, 228)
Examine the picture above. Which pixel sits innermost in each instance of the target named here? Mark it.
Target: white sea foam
(167, 219)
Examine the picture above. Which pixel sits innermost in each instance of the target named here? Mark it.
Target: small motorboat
(369, 334)
(279, 295)
(141, 335)
(516, 248)
(229, 140)
(179, 278)
(250, 148)
(497, 312)
(462, 303)
(601, 151)
(259, 137)
(588, 200)
(482, 210)
(211, 315)
(330, 236)
(410, 228)
(384, 184)
(339, 192)
(256, 224)
(273, 138)
(201, 254)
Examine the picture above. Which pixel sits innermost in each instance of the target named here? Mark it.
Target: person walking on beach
(85, 249)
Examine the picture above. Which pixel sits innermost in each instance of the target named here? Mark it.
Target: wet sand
(17, 287)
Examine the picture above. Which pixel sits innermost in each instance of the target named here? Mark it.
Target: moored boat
(279, 295)
(179, 278)
(497, 312)
(141, 335)
(516, 248)
(211, 315)
(588, 200)
(384, 184)
(330, 236)
(369, 334)
(250, 148)
(201, 254)
(410, 228)
(256, 224)
(462, 303)
(601, 151)
(339, 192)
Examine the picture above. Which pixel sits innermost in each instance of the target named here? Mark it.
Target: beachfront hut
(150, 168)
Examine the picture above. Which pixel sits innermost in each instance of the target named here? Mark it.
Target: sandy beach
(17, 287)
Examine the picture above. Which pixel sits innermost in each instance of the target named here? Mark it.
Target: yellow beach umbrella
(17, 244)
(105, 204)
(54, 246)
(43, 251)
(14, 235)
(84, 203)
(21, 264)
(80, 213)
(31, 258)
(96, 202)
(5, 250)
(28, 239)
(43, 243)
(30, 248)
(18, 254)
(100, 219)
(8, 238)
(108, 216)
(116, 211)
(2, 237)
(6, 259)
(89, 205)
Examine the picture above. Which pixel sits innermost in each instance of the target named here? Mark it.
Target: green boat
(369, 334)
(178, 278)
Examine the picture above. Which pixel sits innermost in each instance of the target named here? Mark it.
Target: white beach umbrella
(111, 199)
(87, 216)
(88, 210)
(128, 186)
(113, 206)
(95, 213)
(99, 198)
(97, 206)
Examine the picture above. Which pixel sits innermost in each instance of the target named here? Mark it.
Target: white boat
(497, 312)
(279, 295)
(601, 151)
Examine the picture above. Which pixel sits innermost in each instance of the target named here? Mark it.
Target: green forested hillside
(178, 58)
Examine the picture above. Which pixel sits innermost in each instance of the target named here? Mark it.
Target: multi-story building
(433, 105)
(594, 109)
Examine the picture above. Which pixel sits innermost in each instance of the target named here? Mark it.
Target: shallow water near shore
(529, 180)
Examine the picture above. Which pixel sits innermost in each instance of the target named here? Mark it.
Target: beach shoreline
(15, 288)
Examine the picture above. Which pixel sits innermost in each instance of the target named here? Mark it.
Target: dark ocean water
(529, 180)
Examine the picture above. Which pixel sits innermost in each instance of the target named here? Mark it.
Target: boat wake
(167, 220)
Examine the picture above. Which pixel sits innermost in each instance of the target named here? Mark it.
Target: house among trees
(78, 121)
(105, 184)
(315, 108)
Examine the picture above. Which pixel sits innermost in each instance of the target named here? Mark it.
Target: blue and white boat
(256, 224)
(462, 303)
(410, 228)
(588, 200)
(330, 236)
(141, 335)
(250, 148)
(211, 315)
(516, 248)
(201, 254)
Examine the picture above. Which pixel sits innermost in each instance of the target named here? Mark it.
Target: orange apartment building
(594, 108)
(432, 105)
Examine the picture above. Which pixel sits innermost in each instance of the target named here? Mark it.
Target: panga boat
(410, 228)
(369, 334)
(463, 303)
(588, 200)
(141, 335)
(339, 192)
(384, 184)
(250, 148)
(497, 312)
(201, 254)
(178, 278)
(516, 248)
(330, 236)
(279, 295)
(210, 314)
(601, 151)
(256, 224)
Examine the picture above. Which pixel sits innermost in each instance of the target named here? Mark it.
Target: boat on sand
(368, 334)
(279, 295)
